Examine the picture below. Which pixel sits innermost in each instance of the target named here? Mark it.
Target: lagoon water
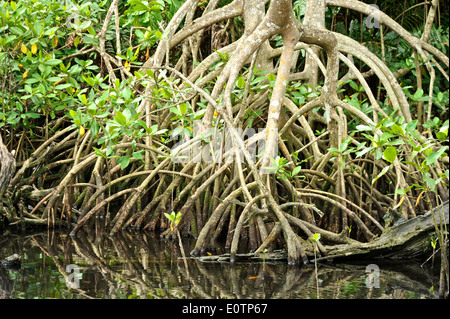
(141, 265)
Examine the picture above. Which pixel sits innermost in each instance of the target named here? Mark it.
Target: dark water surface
(141, 265)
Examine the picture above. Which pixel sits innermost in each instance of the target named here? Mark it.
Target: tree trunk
(7, 167)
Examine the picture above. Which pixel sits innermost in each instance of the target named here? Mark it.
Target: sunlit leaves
(433, 157)
(120, 118)
(394, 138)
(280, 167)
(390, 154)
(315, 238)
(174, 219)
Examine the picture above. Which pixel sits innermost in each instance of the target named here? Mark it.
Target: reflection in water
(141, 265)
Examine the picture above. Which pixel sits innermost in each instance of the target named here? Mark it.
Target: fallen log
(404, 240)
(407, 239)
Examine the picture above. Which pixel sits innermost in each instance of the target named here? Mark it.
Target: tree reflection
(141, 265)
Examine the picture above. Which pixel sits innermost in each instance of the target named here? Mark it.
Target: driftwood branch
(407, 239)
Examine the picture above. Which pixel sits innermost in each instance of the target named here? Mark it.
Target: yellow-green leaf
(34, 48)
(390, 154)
(23, 48)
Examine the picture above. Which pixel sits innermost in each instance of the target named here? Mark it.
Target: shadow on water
(141, 265)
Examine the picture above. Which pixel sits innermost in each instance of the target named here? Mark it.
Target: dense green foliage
(45, 74)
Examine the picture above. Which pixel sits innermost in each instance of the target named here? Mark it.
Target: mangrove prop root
(232, 195)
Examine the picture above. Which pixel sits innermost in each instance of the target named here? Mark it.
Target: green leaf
(84, 25)
(83, 99)
(150, 73)
(397, 129)
(296, 170)
(99, 152)
(241, 82)
(54, 79)
(441, 136)
(333, 150)
(433, 157)
(16, 30)
(354, 85)
(28, 89)
(42, 89)
(63, 86)
(411, 126)
(343, 146)
(53, 62)
(103, 115)
(50, 31)
(89, 80)
(390, 154)
(175, 110)
(172, 217)
(94, 128)
(418, 94)
(91, 31)
(364, 151)
(384, 171)
(120, 118)
(37, 27)
(427, 151)
(386, 135)
(92, 110)
(425, 167)
(137, 155)
(431, 183)
(183, 108)
(363, 128)
(315, 238)
(125, 161)
(32, 115)
(395, 142)
(271, 77)
(126, 93)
